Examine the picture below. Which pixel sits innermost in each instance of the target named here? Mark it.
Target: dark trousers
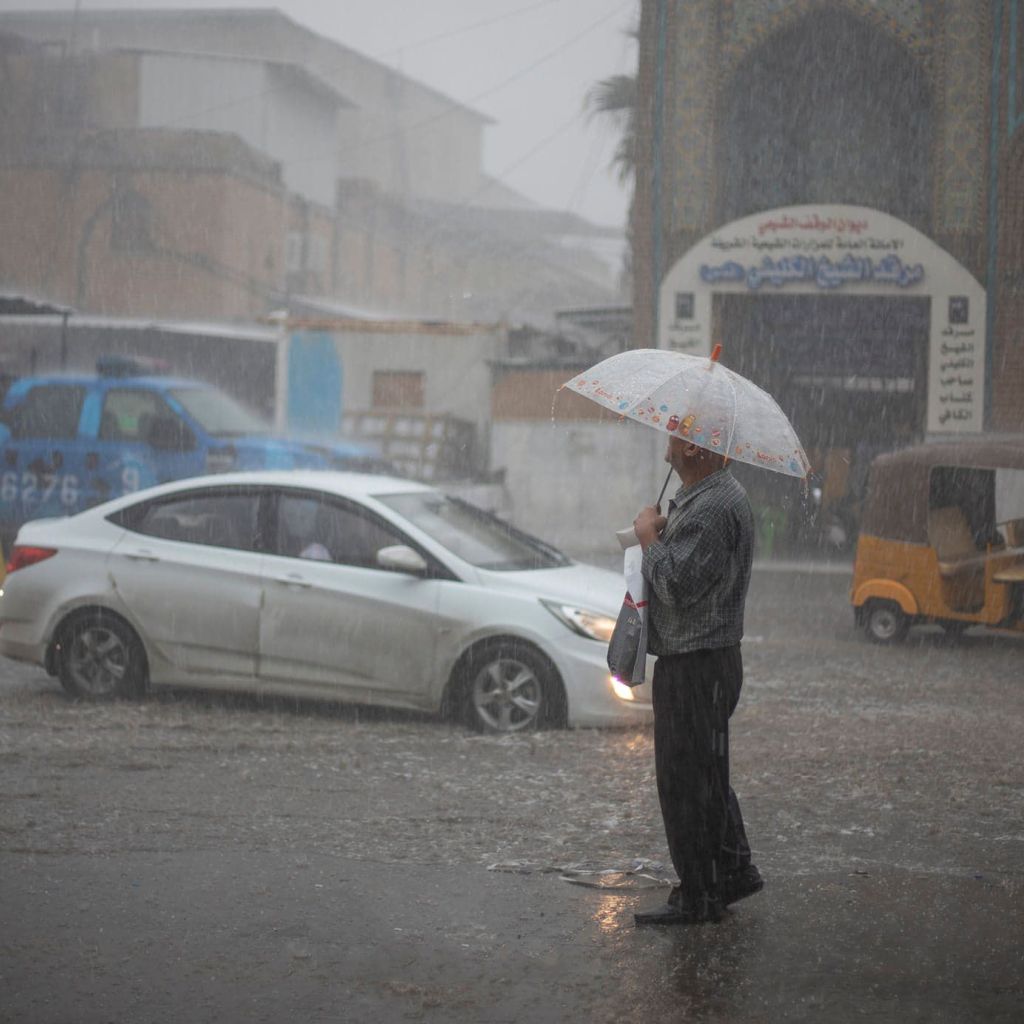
(694, 695)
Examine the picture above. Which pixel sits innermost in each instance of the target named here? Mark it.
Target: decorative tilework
(749, 16)
(1015, 76)
(960, 178)
(749, 22)
(948, 39)
(688, 175)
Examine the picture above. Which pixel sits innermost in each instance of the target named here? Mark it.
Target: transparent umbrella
(697, 399)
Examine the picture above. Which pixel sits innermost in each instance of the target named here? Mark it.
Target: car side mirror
(402, 558)
(170, 434)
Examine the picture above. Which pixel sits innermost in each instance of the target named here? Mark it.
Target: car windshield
(218, 413)
(472, 534)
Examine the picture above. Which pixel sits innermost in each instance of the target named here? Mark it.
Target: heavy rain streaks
(312, 500)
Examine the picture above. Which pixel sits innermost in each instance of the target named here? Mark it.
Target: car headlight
(593, 625)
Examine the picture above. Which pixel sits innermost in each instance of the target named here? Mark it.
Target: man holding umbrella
(696, 563)
(696, 568)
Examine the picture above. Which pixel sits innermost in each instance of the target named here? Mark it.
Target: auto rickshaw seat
(952, 539)
(961, 564)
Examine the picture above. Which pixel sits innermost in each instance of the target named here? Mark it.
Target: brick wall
(533, 394)
(155, 242)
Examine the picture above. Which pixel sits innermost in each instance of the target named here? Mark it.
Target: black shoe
(740, 884)
(669, 914)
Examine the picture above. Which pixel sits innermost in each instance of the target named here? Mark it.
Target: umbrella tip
(716, 352)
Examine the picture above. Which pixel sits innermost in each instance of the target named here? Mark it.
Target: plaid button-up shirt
(699, 569)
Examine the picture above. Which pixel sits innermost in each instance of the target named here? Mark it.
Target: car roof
(110, 381)
(332, 481)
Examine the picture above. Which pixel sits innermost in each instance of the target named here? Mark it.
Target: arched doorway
(830, 109)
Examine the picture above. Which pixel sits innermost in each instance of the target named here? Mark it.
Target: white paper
(632, 559)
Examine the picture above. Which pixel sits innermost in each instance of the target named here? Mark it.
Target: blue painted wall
(315, 381)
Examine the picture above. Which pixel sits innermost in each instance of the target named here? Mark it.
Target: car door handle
(293, 579)
(142, 555)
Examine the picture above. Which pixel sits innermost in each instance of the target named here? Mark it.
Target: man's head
(690, 461)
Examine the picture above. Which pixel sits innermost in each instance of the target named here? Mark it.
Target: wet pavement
(218, 859)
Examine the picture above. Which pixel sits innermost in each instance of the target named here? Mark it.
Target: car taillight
(23, 555)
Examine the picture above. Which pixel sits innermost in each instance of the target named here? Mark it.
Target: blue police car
(68, 442)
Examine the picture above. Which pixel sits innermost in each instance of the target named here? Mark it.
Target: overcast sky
(526, 63)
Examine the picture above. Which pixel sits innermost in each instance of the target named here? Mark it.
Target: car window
(219, 414)
(222, 519)
(50, 411)
(470, 533)
(318, 529)
(128, 414)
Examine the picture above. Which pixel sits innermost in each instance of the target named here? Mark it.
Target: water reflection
(704, 965)
(712, 972)
(612, 914)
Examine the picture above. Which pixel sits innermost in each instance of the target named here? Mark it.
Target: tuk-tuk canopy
(900, 483)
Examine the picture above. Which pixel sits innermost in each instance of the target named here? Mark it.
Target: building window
(393, 389)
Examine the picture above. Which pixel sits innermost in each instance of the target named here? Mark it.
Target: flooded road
(244, 861)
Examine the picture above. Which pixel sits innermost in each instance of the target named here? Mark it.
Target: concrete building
(277, 108)
(403, 136)
(341, 217)
(146, 224)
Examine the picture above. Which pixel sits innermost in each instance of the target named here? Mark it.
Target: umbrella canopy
(699, 400)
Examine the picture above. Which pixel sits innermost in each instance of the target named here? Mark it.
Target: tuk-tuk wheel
(884, 622)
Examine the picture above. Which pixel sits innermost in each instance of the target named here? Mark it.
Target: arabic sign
(957, 383)
(839, 250)
(819, 270)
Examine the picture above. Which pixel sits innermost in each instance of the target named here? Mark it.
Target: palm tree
(617, 97)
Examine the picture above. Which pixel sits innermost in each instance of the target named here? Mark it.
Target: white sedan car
(318, 584)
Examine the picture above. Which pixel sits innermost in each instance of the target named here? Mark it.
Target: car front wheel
(99, 657)
(885, 623)
(510, 687)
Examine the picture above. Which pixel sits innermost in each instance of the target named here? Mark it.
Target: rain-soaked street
(215, 859)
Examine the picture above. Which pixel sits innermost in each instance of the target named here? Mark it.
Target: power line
(322, 73)
(504, 83)
(466, 28)
(595, 156)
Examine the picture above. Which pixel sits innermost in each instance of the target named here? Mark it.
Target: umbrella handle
(664, 487)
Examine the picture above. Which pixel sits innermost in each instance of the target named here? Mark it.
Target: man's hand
(648, 525)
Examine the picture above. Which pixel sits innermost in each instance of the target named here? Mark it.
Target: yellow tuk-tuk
(942, 539)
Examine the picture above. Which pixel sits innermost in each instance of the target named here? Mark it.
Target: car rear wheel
(885, 623)
(99, 657)
(511, 687)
